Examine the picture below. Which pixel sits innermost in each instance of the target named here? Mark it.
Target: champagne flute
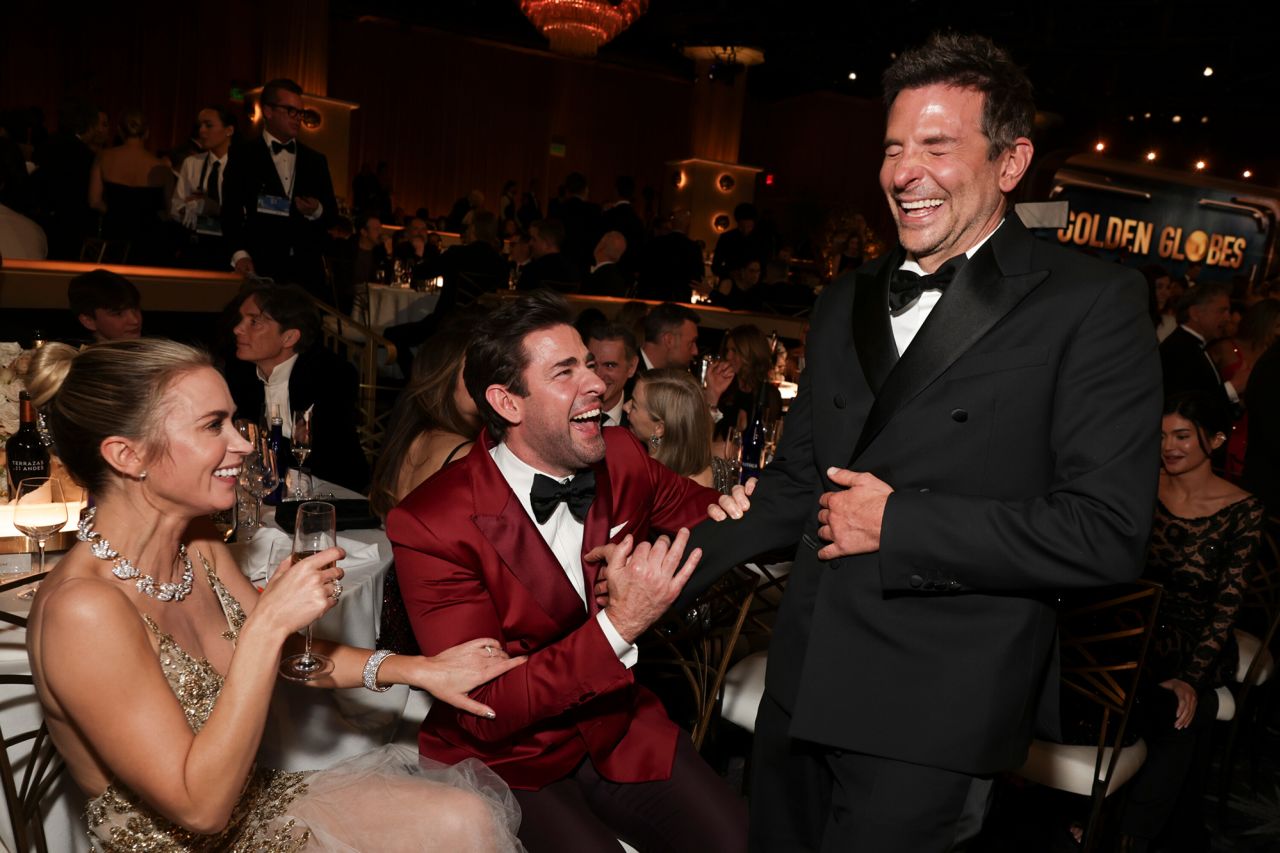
(300, 443)
(733, 452)
(314, 530)
(39, 510)
(224, 521)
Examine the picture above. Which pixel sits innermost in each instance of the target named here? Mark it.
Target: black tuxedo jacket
(554, 270)
(669, 267)
(624, 219)
(323, 380)
(286, 248)
(1020, 435)
(608, 280)
(1187, 367)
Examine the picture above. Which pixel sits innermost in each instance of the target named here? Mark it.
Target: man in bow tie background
(278, 199)
(502, 542)
(955, 453)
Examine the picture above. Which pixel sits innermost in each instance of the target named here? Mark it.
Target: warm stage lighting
(1246, 174)
(853, 75)
(1177, 119)
(1151, 156)
(1208, 72)
(1200, 165)
(1101, 146)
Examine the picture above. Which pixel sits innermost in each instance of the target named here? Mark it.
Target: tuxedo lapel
(508, 528)
(872, 332)
(987, 288)
(596, 531)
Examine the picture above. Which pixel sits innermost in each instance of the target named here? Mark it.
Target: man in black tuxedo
(621, 216)
(280, 364)
(550, 266)
(278, 199)
(952, 458)
(671, 264)
(581, 220)
(1204, 313)
(607, 277)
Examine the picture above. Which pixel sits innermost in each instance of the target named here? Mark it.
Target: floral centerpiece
(12, 367)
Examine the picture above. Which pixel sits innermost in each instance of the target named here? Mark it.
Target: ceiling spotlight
(1146, 115)
(1101, 146)
(1208, 71)
(853, 75)
(1151, 156)
(1200, 165)
(1246, 174)
(1130, 118)
(1204, 119)
(1177, 119)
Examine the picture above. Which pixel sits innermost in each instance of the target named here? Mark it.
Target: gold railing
(360, 344)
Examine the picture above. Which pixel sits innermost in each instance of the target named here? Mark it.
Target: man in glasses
(278, 199)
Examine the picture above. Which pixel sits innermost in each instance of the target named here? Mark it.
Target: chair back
(29, 767)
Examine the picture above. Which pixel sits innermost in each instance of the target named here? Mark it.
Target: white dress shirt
(194, 175)
(563, 534)
(276, 388)
(907, 322)
(286, 167)
(614, 415)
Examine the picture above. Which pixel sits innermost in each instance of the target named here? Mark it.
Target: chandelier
(579, 27)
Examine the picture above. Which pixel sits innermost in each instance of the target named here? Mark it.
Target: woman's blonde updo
(107, 389)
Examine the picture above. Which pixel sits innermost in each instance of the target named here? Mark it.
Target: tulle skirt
(386, 800)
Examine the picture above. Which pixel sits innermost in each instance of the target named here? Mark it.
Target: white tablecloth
(308, 728)
(391, 306)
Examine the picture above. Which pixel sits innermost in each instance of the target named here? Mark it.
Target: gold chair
(39, 766)
(1103, 637)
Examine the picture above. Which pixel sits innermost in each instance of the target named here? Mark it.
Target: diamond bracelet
(371, 670)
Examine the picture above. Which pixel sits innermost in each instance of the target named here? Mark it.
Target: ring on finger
(488, 651)
(337, 590)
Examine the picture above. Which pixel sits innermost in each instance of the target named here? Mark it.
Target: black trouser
(808, 797)
(692, 812)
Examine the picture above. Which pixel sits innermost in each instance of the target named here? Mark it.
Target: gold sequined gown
(388, 799)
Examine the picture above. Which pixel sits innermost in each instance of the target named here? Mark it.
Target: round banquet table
(392, 306)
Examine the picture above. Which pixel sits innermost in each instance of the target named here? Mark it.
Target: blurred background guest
(433, 422)
(1163, 307)
(607, 277)
(747, 351)
(1206, 534)
(280, 365)
(106, 304)
(127, 186)
(666, 411)
(670, 337)
(62, 177)
(616, 360)
(581, 220)
(416, 248)
(620, 215)
(670, 266)
(549, 266)
(197, 198)
(20, 236)
(741, 244)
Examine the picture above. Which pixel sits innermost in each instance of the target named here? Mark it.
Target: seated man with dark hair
(503, 544)
(107, 305)
(279, 364)
(670, 337)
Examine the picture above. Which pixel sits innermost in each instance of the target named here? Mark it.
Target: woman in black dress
(1205, 538)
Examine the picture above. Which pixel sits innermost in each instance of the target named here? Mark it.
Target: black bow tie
(547, 494)
(906, 286)
(277, 147)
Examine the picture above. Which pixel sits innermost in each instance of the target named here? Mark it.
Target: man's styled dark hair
(667, 317)
(970, 62)
(1204, 410)
(615, 332)
(291, 307)
(101, 289)
(1201, 294)
(497, 354)
(551, 230)
(745, 212)
(271, 90)
(575, 183)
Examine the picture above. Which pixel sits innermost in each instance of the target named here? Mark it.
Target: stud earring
(142, 477)
(655, 440)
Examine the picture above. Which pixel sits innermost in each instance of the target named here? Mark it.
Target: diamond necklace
(125, 570)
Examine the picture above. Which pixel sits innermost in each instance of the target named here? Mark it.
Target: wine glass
(259, 475)
(733, 452)
(314, 530)
(224, 521)
(39, 510)
(300, 443)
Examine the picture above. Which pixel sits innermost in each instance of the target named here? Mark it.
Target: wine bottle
(753, 439)
(27, 456)
(275, 441)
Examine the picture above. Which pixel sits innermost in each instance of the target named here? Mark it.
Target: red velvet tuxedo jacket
(471, 563)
